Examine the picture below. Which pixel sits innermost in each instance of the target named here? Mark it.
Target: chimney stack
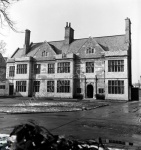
(128, 31)
(69, 34)
(27, 41)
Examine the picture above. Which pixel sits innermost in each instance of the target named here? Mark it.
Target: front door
(11, 89)
(89, 91)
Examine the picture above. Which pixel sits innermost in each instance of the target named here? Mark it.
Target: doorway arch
(90, 91)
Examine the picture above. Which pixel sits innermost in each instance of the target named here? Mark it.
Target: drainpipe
(84, 76)
(85, 87)
(96, 84)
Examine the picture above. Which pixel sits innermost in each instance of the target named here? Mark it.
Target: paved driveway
(118, 122)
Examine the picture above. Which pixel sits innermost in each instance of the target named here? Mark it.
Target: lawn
(40, 107)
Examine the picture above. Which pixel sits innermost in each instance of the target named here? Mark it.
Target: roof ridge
(82, 38)
(100, 37)
(110, 36)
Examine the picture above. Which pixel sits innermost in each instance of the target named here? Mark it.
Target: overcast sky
(47, 18)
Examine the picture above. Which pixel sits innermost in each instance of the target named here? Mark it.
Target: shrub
(100, 96)
(30, 136)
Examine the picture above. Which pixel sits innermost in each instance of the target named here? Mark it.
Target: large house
(93, 67)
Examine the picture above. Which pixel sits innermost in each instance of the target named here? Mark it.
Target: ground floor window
(78, 90)
(101, 90)
(115, 87)
(50, 86)
(36, 86)
(2, 86)
(20, 86)
(63, 86)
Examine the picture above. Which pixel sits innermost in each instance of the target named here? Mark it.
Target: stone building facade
(93, 67)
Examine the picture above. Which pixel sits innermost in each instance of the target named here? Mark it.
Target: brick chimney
(127, 31)
(69, 34)
(27, 41)
(128, 43)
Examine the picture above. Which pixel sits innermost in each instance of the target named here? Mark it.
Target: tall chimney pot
(27, 41)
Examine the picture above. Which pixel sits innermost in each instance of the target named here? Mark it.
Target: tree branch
(4, 16)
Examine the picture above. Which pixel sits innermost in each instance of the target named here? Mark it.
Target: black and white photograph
(70, 75)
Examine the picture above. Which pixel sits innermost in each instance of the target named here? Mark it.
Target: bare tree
(2, 47)
(4, 16)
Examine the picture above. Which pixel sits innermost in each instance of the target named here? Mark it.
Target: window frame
(100, 90)
(36, 86)
(51, 68)
(20, 86)
(50, 86)
(37, 68)
(116, 65)
(63, 67)
(21, 68)
(90, 50)
(2, 87)
(44, 53)
(63, 86)
(116, 87)
(90, 67)
(11, 71)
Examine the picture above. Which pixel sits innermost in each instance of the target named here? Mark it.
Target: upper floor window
(90, 50)
(63, 67)
(50, 86)
(37, 68)
(45, 53)
(63, 86)
(20, 86)
(115, 65)
(11, 71)
(51, 68)
(21, 68)
(36, 86)
(89, 67)
(116, 87)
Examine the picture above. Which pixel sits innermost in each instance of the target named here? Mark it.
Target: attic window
(90, 50)
(44, 54)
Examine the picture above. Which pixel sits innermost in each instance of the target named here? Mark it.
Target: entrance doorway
(11, 89)
(90, 91)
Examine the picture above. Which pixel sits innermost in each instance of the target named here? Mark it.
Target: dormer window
(44, 54)
(90, 50)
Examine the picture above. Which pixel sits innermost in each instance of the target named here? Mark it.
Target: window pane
(89, 67)
(20, 86)
(115, 65)
(21, 68)
(63, 86)
(36, 86)
(116, 87)
(50, 86)
(63, 67)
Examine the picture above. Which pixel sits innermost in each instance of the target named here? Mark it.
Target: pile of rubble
(30, 136)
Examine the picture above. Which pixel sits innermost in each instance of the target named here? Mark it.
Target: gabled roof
(18, 53)
(106, 43)
(37, 49)
(112, 43)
